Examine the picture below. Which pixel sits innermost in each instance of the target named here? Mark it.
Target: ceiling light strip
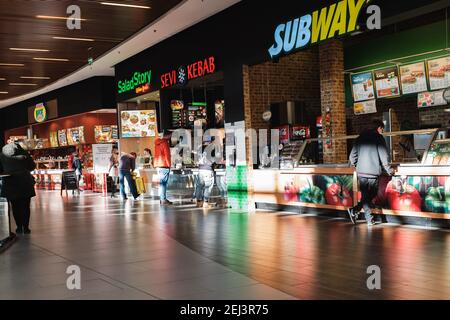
(59, 18)
(40, 78)
(124, 5)
(50, 59)
(3, 92)
(27, 49)
(12, 64)
(73, 39)
(22, 84)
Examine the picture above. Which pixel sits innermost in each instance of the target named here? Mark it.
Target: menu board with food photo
(431, 99)
(365, 107)
(54, 139)
(75, 136)
(178, 114)
(138, 123)
(439, 73)
(115, 133)
(196, 113)
(62, 137)
(413, 78)
(104, 134)
(387, 83)
(362, 86)
(219, 106)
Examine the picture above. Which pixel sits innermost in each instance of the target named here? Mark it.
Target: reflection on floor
(137, 250)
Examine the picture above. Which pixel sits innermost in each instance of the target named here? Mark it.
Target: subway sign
(336, 20)
(139, 82)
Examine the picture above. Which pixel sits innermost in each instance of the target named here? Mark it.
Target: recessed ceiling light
(3, 92)
(26, 49)
(22, 84)
(50, 59)
(2, 79)
(59, 18)
(12, 64)
(124, 5)
(40, 78)
(74, 39)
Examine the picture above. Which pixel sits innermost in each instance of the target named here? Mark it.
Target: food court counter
(415, 190)
(50, 179)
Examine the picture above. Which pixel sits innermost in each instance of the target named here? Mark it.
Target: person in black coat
(370, 156)
(18, 188)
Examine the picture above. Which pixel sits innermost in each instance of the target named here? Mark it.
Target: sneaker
(371, 223)
(26, 231)
(208, 205)
(165, 202)
(19, 230)
(199, 204)
(353, 217)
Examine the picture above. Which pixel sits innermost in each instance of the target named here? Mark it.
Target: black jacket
(370, 155)
(17, 163)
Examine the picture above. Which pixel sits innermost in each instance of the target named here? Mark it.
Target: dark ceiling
(20, 28)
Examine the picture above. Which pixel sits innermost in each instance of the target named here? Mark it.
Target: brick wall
(331, 59)
(293, 78)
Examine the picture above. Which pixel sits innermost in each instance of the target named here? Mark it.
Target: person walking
(78, 167)
(114, 171)
(18, 188)
(205, 179)
(162, 161)
(370, 157)
(127, 164)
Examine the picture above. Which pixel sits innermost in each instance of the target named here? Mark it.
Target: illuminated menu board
(387, 82)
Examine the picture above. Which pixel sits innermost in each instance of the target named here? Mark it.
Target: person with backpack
(77, 165)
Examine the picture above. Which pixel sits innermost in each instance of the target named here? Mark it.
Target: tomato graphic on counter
(290, 192)
(338, 195)
(402, 196)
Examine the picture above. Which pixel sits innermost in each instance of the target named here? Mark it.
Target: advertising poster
(413, 78)
(178, 114)
(54, 139)
(362, 86)
(431, 99)
(138, 123)
(101, 154)
(387, 82)
(365, 107)
(439, 73)
(75, 136)
(62, 137)
(219, 107)
(284, 133)
(115, 133)
(105, 134)
(301, 132)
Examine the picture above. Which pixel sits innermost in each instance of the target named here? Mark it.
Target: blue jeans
(126, 175)
(164, 174)
(204, 185)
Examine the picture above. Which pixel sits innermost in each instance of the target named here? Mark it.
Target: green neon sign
(138, 79)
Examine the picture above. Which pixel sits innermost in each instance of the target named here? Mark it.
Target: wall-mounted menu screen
(413, 78)
(104, 134)
(62, 137)
(138, 123)
(196, 114)
(387, 83)
(439, 73)
(362, 86)
(75, 136)
(178, 114)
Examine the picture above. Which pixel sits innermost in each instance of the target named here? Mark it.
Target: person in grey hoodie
(18, 188)
(370, 157)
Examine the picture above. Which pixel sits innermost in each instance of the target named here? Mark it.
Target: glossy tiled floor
(137, 250)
